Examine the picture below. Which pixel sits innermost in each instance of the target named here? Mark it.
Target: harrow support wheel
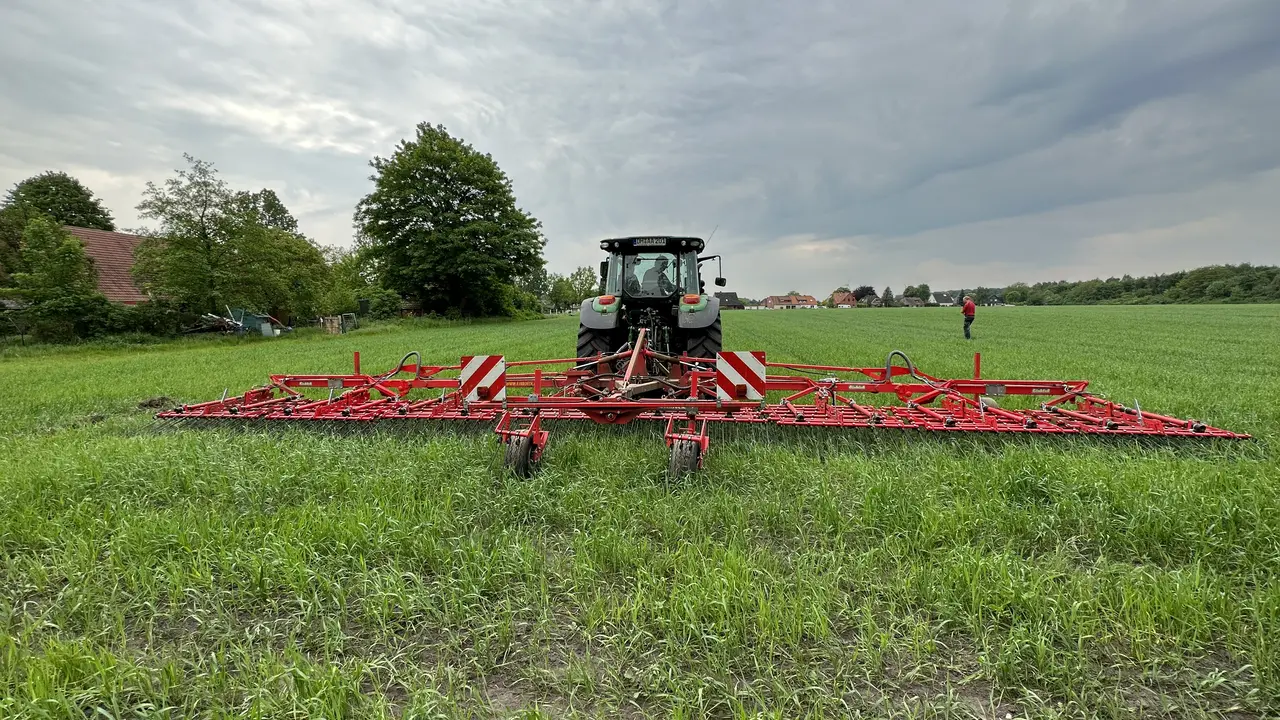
(518, 457)
(686, 456)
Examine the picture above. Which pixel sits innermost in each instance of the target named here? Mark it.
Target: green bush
(383, 303)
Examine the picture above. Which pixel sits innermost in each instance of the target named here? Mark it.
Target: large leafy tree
(585, 282)
(192, 256)
(562, 295)
(215, 248)
(443, 226)
(61, 197)
(58, 283)
(270, 212)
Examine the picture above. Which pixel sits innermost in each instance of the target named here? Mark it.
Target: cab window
(651, 275)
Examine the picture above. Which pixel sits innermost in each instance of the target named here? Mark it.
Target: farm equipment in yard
(639, 383)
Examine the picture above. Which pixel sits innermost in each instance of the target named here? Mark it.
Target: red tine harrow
(640, 384)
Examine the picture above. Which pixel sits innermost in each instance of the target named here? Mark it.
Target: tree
(923, 292)
(58, 284)
(284, 273)
(1017, 293)
(63, 198)
(562, 294)
(585, 283)
(887, 297)
(909, 292)
(13, 220)
(443, 224)
(212, 249)
(350, 279)
(193, 256)
(535, 281)
(794, 292)
(863, 292)
(268, 209)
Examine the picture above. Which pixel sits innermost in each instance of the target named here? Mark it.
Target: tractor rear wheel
(594, 342)
(705, 342)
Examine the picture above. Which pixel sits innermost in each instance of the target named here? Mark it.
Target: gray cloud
(953, 143)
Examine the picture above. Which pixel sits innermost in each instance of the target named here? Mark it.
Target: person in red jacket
(968, 310)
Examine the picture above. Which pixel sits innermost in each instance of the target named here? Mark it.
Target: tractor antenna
(713, 233)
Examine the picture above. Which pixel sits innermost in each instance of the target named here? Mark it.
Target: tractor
(652, 283)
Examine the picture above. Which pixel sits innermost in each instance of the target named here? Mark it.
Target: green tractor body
(652, 283)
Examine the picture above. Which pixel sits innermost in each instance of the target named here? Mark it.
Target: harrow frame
(640, 384)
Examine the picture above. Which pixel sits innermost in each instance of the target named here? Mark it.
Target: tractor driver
(656, 277)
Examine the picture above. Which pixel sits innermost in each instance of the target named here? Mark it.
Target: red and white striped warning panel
(740, 375)
(483, 377)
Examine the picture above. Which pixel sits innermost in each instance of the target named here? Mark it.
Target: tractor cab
(652, 271)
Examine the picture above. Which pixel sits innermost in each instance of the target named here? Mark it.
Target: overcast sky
(879, 142)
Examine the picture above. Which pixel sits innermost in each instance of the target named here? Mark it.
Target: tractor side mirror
(720, 282)
(604, 274)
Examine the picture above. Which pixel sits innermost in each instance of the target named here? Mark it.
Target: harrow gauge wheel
(685, 457)
(518, 457)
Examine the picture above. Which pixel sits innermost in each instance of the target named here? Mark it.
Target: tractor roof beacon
(652, 283)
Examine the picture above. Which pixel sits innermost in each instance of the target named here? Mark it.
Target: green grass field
(221, 574)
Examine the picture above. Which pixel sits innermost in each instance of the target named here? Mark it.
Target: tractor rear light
(607, 299)
(692, 299)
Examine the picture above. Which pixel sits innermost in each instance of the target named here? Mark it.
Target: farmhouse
(790, 302)
(730, 301)
(912, 302)
(112, 255)
(943, 299)
(843, 300)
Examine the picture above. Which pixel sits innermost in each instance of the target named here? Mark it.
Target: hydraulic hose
(911, 369)
(396, 371)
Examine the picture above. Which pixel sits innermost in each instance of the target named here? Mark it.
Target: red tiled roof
(843, 298)
(112, 254)
(792, 300)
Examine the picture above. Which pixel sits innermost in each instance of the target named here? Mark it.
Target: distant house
(112, 255)
(843, 300)
(912, 302)
(943, 299)
(790, 302)
(730, 301)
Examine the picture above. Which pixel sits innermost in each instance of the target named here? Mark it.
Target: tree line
(1243, 283)
(440, 229)
(1211, 284)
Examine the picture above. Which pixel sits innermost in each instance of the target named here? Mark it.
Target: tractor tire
(518, 457)
(705, 342)
(684, 459)
(594, 342)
